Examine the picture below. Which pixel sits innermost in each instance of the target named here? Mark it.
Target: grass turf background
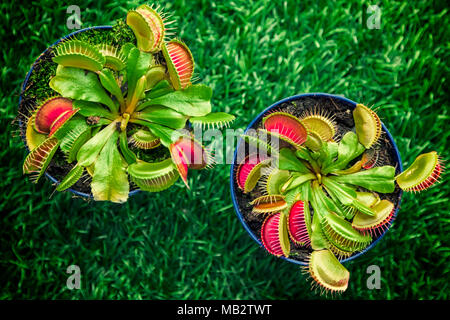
(183, 244)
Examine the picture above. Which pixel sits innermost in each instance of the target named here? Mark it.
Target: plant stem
(124, 122)
(138, 121)
(136, 96)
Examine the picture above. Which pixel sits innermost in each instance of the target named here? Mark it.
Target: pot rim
(258, 118)
(50, 177)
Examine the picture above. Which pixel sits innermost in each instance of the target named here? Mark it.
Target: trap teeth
(79, 54)
(49, 111)
(422, 174)
(148, 28)
(297, 224)
(156, 24)
(327, 271)
(32, 137)
(369, 199)
(275, 179)
(153, 177)
(58, 124)
(188, 154)
(246, 167)
(144, 139)
(39, 158)
(379, 222)
(180, 160)
(321, 125)
(287, 127)
(114, 58)
(274, 235)
(180, 63)
(196, 155)
(367, 125)
(370, 158)
(269, 204)
(314, 141)
(341, 234)
(339, 253)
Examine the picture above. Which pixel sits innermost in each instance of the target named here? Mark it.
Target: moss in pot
(107, 111)
(321, 183)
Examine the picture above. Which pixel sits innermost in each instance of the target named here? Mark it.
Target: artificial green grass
(183, 244)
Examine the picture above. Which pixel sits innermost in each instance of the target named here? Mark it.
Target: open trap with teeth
(120, 112)
(328, 189)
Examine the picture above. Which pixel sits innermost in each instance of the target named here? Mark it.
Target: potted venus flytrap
(116, 115)
(329, 187)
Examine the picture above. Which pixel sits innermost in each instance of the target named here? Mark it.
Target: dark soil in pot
(36, 89)
(342, 112)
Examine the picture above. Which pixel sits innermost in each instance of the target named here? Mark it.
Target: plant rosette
(317, 180)
(107, 111)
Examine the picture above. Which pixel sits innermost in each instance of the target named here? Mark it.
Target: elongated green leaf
(213, 119)
(161, 88)
(299, 179)
(74, 139)
(349, 148)
(110, 181)
(289, 161)
(146, 170)
(69, 125)
(126, 48)
(194, 101)
(166, 135)
(356, 167)
(330, 204)
(318, 240)
(290, 197)
(379, 179)
(328, 153)
(309, 156)
(163, 116)
(68, 140)
(128, 155)
(77, 144)
(154, 75)
(346, 211)
(307, 214)
(92, 109)
(304, 191)
(109, 82)
(71, 178)
(136, 95)
(346, 195)
(304, 154)
(137, 66)
(79, 84)
(89, 151)
(320, 210)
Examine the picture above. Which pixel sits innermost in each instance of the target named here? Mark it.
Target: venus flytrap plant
(325, 194)
(116, 103)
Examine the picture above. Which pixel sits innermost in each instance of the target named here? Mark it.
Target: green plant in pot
(324, 192)
(114, 105)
